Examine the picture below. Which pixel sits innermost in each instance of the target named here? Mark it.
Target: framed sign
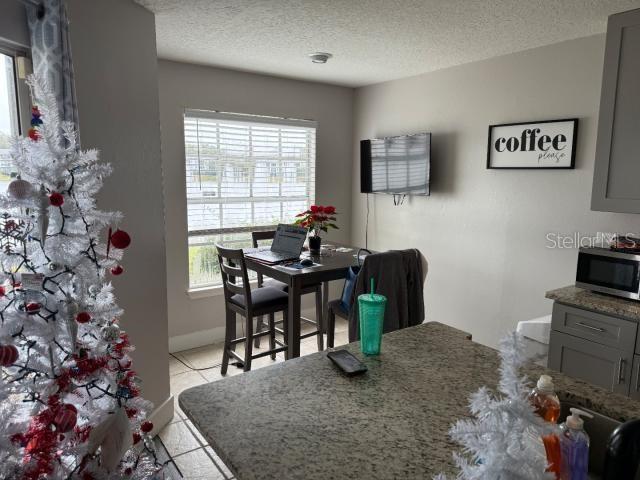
(546, 144)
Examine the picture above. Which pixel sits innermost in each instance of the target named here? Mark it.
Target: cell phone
(347, 362)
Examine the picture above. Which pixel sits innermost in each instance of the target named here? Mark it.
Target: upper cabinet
(616, 176)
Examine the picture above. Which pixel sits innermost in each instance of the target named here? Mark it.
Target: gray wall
(114, 55)
(13, 24)
(484, 231)
(190, 86)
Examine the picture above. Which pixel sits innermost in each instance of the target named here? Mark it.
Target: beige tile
(194, 431)
(197, 465)
(182, 381)
(219, 462)
(342, 325)
(203, 357)
(178, 439)
(176, 367)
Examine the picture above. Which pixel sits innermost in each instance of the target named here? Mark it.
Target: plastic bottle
(546, 404)
(574, 444)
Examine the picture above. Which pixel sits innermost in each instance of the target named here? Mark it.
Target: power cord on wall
(366, 227)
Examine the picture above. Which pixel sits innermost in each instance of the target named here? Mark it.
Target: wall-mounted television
(397, 165)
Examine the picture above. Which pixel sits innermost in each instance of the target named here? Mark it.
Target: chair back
(232, 267)
(262, 235)
(255, 238)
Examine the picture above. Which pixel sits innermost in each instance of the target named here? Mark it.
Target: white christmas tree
(70, 404)
(504, 441)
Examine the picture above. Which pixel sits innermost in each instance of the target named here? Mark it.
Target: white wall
(114, 56)
(201, 321)
(484, 231)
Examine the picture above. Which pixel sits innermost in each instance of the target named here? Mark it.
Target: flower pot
(314, 245)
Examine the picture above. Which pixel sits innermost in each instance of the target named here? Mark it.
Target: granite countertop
(598, 302)
(304, 419)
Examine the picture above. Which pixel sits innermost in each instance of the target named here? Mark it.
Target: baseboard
(162, 415)
(196, 339)
(212, 335)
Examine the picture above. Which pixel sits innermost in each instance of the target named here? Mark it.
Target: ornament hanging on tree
(117, 270)
(66, 418)
(71, 310)
(20, 189)
(8, 355)
(36, 121)
(110, 333)
(83, 317)
(118, 239)
(56, 199)
(43, 215)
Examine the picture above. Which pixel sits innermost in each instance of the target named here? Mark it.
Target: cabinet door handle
(620, 370)
(590, 327)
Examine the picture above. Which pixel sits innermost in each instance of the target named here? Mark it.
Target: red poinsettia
(317, 218)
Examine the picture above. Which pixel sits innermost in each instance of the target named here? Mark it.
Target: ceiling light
(320, 57)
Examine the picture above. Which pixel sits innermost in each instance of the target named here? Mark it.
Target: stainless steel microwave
(606, 271)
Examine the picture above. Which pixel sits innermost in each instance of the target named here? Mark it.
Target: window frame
(214, 289)
(23, 96)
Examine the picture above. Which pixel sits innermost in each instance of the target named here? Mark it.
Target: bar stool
(240, 299)
(272, 283)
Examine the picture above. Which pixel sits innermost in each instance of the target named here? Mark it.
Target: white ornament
(114, 437)
(110, 333)
(53, 266)
(43, 215)
(71, 308)
(20, 189)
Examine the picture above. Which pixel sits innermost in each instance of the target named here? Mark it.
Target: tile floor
(189, 450)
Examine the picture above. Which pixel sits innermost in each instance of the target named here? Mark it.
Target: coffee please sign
(547, 144)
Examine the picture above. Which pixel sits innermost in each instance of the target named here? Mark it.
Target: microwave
(608, 271)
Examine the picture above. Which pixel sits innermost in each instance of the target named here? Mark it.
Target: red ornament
(136, 437)
(146, 427)
(83, 317)
(56, 199)
(120, 239)
(66, 418)
(33, 134)
(117, 270)
(3, 292)
(8, 355)
(33, 307)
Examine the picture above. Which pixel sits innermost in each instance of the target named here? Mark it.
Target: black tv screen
(397, 165)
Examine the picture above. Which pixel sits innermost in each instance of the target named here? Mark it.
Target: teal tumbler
(371, 311)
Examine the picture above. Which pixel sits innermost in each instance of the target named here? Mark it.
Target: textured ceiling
(371, 40)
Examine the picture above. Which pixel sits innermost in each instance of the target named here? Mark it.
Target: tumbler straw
(372, 288)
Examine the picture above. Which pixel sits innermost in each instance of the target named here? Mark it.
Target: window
(9, 116)
(243, 173)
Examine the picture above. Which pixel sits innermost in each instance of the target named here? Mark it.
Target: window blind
(243, 173)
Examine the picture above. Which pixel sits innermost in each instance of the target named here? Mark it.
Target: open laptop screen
(289, 239)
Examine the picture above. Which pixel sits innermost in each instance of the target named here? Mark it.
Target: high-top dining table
(331, 265)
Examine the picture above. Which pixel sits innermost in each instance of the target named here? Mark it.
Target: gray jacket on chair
(399, 275)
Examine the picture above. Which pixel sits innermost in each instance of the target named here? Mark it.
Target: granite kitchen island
(303, 419)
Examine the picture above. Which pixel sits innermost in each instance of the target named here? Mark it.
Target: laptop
(287, 245)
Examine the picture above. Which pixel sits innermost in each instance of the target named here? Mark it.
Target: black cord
(366, 227)
(194, 368)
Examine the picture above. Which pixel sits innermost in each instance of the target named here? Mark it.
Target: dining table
(332, 263)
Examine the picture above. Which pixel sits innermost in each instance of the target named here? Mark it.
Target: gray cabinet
(635, 378)
(600, 365)
(617, 167)
(594, 347)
